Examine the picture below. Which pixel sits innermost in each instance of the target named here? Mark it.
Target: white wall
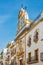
(34, 45)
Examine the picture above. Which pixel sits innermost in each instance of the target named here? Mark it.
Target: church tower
(23, 20)
(22, 29)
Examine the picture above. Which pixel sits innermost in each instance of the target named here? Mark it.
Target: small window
(36, 36)
(29, 41)
(29, 56)
(36, 54)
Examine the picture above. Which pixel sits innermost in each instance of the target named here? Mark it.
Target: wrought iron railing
(32, 60)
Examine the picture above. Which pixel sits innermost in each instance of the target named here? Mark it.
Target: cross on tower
(24, 7)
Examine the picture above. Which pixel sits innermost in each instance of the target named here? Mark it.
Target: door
(21, 62)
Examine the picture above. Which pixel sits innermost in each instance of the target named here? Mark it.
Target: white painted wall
(34, 46)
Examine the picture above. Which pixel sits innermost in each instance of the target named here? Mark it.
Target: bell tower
(22, 18)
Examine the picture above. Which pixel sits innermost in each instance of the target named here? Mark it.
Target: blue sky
(9, 17)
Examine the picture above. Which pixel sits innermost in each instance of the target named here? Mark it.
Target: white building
(28, 46)
(30, 38)
(34, 42)
(6, 56)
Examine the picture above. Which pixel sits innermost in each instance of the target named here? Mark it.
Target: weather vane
(22, 6)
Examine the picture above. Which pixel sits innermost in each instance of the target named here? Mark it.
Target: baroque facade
(9, 54)
(29, 39)
(27, 47)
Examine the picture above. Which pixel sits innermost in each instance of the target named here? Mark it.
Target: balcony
(32, 60)
(41, 56)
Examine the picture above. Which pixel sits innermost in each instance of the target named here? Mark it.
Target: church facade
(29, 39)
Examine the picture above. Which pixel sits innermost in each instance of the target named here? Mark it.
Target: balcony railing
(41, 56)
(32, 60)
